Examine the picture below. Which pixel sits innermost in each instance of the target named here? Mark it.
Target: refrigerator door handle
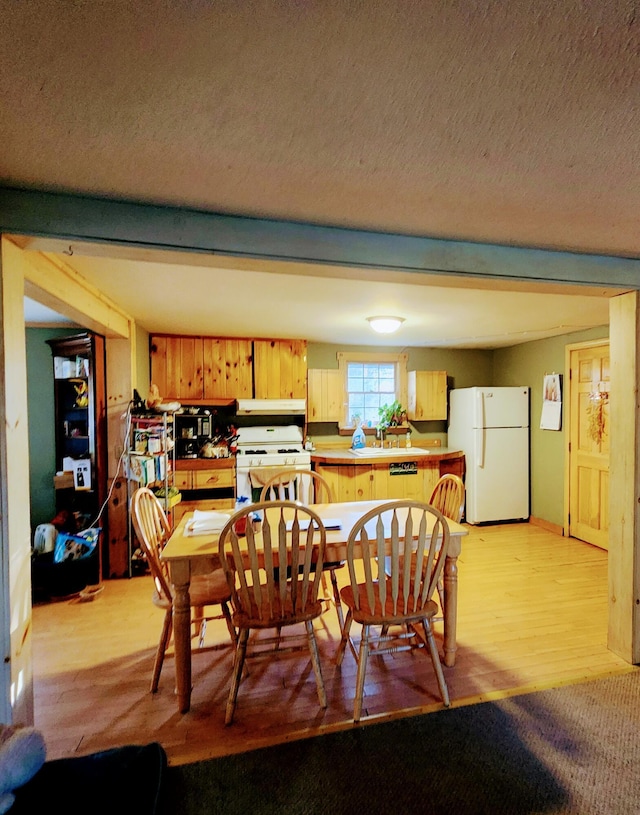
(479, 440)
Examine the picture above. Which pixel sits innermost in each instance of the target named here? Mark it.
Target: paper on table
(329, 523)
(206, 521)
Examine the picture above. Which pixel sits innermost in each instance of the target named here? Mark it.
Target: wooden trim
(400, 360)
(624, 478)
(555, 528)
(76, 218)
(56, 285)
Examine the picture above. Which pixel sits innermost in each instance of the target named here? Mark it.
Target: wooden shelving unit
(81, 434)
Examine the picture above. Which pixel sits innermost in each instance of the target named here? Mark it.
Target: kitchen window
(371, 380)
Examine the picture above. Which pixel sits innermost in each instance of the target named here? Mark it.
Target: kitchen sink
(389, 452)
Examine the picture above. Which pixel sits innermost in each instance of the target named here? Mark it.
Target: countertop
(347, 456)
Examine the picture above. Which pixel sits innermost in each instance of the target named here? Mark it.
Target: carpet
(573, 750)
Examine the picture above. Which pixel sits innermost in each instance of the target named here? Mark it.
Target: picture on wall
(551, 418)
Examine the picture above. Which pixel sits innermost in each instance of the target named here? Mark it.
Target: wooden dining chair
(308, 487)
(401, 560)
(264, 595)
(448, 496)
(152, 530)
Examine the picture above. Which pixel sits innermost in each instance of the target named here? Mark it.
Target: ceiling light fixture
(385, 325)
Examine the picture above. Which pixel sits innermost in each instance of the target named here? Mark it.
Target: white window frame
(399, 360)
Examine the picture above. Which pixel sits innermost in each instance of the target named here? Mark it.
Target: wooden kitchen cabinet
(280, 369)
(348, 482)
(367, 482)
(177, 366)
(228, 368)
(325, 395)
(214, 369)
(205, 484)
(427, 395)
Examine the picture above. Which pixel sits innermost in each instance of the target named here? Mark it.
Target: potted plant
(391, 415)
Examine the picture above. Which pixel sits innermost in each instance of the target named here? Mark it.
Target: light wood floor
(532, 614)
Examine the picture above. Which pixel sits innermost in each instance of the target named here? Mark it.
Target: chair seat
(273, 617)
(380, 615)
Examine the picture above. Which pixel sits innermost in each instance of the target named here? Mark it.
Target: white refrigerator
(491, 427)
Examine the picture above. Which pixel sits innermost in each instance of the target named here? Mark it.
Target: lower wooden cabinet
(205, 484)
(368, 482)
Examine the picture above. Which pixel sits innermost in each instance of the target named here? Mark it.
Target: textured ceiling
(508, 123)
(512, 123)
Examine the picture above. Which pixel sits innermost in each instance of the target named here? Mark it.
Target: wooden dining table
(188, 555)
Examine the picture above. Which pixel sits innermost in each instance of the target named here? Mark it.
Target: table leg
(450, 609)
(182, 642)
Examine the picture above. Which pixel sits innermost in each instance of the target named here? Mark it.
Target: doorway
(589, 387)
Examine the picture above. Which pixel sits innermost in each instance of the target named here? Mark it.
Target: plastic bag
(75, 547)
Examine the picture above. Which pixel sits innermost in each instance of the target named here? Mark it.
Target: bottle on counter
(408, 441)
(359, 440)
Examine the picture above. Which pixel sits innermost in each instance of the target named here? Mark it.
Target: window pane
(370, 385)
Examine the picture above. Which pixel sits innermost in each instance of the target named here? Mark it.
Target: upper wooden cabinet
(176, 366)
(325, 395)
(228, 368)
(210, 369)
(280, 369)
(427, 395)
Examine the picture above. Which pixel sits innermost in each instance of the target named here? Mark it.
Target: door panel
(589, 445)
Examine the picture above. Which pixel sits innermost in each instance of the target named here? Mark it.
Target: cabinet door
(405, 485)
(228, 368)
(349, 482)
(183, 479)
(325, 395)
(280, 369)
(427, 395)
(176, 366)
(210, 479)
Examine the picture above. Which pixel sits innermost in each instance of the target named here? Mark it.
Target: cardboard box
(63, 481)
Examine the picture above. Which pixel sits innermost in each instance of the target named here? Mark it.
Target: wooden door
(589, 445)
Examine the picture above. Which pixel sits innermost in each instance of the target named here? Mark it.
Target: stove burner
(289, 450)
(254, 452)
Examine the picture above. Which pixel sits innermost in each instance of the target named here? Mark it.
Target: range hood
(271, 407)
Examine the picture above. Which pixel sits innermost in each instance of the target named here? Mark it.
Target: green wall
(41, 412)
(464, 368)
(527, 364)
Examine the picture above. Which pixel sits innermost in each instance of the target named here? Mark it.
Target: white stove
(261, 449)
